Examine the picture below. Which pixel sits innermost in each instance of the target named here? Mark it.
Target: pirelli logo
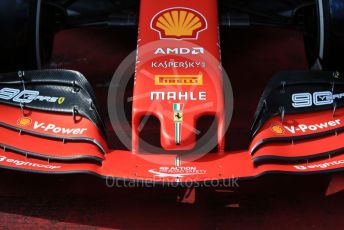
(179, 79)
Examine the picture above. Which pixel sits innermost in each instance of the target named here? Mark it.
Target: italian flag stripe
(178, 133)
(178, 107)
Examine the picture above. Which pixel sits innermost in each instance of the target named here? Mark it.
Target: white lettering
(58, 130)
(179, 96)
(179, 51)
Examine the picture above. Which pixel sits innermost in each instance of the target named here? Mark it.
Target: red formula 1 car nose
(178, 77)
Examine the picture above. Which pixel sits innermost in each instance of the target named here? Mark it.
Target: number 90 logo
(301, 100)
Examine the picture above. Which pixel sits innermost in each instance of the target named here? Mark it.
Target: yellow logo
(277, 129)
(179, 23)
(178, 117)
(61, 100)
(24, 121)
(179, 79)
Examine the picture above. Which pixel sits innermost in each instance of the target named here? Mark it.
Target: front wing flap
(123, 165)
(50, 122)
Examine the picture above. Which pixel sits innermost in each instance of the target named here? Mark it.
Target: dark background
(250, 57)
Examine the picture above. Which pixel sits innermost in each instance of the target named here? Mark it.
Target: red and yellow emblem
(179, 79)
(179, 23)
(24, 121)
(278, 129)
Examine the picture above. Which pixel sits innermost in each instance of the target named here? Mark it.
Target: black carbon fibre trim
(273, 159)
(277, 96)
(52, 137)
(265, 141)
(77, 158)
(50, 76)
(73, 102)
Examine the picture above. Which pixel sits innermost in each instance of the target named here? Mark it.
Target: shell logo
(179, 23)
(24, 121)
(278, 129)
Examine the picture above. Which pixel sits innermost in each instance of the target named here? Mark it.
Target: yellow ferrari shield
(178, 117)
(61, 100)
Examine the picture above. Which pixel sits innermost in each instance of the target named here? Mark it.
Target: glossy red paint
(176, 95)
(61, 126)
(296, 127)
(127, 165)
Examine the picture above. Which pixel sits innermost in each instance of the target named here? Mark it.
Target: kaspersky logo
(179, 23)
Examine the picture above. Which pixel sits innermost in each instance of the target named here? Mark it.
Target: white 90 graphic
(301, 100)
(25, 96)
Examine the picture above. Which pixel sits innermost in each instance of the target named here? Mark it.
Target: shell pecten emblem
(24, 121)
(278, 129)
(179, 23)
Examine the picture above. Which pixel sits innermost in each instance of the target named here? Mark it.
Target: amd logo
(302, 100)
(179, 51)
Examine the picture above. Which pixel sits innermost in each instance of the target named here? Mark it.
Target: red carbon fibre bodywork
(299, 127)
(50, 149)
(55, 126)
(155, 93)
(303, 149)
(154, 44)
(124, 165)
